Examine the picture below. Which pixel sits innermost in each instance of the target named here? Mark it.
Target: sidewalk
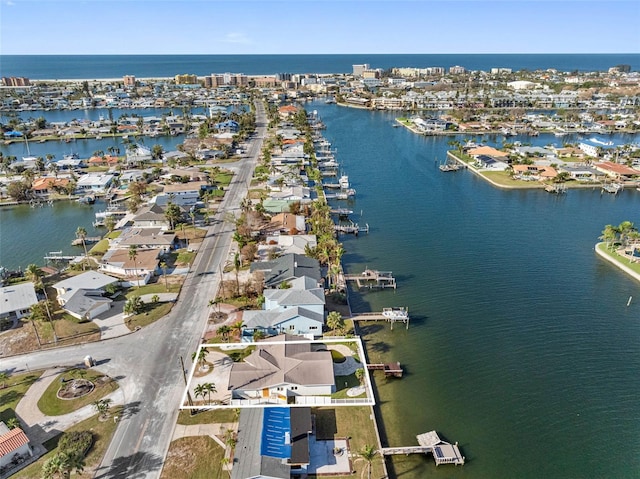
(215, 431)
(40, 427)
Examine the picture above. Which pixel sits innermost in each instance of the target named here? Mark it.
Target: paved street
(147, 363)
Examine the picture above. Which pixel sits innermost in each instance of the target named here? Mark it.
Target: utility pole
(184, 375)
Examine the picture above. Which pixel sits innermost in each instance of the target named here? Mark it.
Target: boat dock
(390, 369)
(429, 442)
(87, 240)
(391, 315)
(58, 256)
(352, 228)
(370, 278)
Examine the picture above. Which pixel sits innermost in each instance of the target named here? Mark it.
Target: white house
(81, 295)
(283, 369)
(15, 302)
(13, 443)
(136, 271)
(94, 182)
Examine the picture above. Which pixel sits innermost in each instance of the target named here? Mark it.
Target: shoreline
(617, 263)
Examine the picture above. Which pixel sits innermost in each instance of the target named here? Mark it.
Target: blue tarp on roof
(276, 433)
(12, 134)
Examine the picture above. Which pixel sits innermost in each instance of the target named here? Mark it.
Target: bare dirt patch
(193, 457)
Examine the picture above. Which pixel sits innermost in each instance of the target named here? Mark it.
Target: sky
(314, 27)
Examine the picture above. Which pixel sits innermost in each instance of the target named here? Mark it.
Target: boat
(558, 189)
(449, 166)
(87, 199)
(344, 182)
(98, 137)
(613, 188)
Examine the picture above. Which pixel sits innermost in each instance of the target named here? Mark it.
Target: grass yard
(195, 457)
(212, 416)
(100, 248)
(503, 178)
(102, 432)
(154, 288)
(343, 384)
(14, 389)
(51, 405)
(353, 422)
(620, 259)
(150, 314)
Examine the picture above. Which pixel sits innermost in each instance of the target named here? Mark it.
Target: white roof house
(81, 295)
(16, 301)
(94, 182)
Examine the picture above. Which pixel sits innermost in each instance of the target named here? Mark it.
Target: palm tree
(102, 406)
(62, 464)
(209, 388)
(3, 379)
(236, 266)
(609, 235)
(335, 321)
(133, 254)
(133, 305)
(110, 223)
(82, 234)
(368, 453)
(201, 356)
(33, 273)
(200, 391)
(237, 328)
(13, 423)
(223, 332)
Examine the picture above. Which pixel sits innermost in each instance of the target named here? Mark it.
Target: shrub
(76, 442)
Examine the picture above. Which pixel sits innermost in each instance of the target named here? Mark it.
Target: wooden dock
(58, 256)
(429, 442)
(370, 278)
(390, 369)
(391, 315)
(352, 228)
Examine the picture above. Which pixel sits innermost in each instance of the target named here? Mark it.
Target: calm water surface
(521, 346)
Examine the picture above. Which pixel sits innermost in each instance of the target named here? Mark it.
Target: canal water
(521, 346)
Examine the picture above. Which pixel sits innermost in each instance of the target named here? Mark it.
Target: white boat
(344, 182)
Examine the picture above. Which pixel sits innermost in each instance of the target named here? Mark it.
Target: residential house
(534, 172)
(181, 194)
(146, 238)
(297, 310)
(152, 216)
(279, 245)
(14, 443)
(616, 170)
(283, 367)
(582, 173)
(15, 303)
(94, 182)
(82, 295)
(136, 271)
(287, 268)
(286, 223)
(274, 442)
(47, 185)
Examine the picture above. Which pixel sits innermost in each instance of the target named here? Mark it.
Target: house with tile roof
(14, 444)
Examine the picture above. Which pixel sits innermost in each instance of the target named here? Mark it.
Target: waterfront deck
(370, 278)
(352, 228)
(429, 442)
(390, 315)
(389, 369)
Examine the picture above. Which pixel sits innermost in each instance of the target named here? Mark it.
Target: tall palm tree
(210, 388)
(200, 356)
(33, 273)
(368, 453)
(200, 391)
(237, 263)
(335, 321)
(133, 254)
(81, 233)
(237, 328)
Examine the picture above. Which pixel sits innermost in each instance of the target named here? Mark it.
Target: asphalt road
(147, 363)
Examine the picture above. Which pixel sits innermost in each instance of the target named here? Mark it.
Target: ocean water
(39, 67)
(521, 346)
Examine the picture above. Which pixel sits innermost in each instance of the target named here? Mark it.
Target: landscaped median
(622, 262)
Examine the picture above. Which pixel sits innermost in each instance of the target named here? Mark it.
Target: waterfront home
(534, 172)
(582, 172)
(595, 148)
(229, 126)
(182, 194)
(490, 163)
(280, 368)
(616, 170)
(297, 310)
(287, 268)
(274, 442)
(487, 151)
(287, 111)
(279, 245)
(138, 155)
(94, 182)
(105, 160)
(14, 444)
(135, 271)
(82, 295)
(286, 223)
(149, 238)
(152, 216)
(15, 303)
(49, 184)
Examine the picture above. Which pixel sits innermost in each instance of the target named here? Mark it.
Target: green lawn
(620, 259)
(343, 384)
(100, 248)
(102, 432)
(504, 178)
(51, 405)
(154, 288)
(151, 313)
(14, 389)
(211, 416)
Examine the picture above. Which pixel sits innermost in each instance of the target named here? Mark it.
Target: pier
(58, 256)
(390, 369)
(370, 278)
(391, 315)
(429, 442)
(352, 228)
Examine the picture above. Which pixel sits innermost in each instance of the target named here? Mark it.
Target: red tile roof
(617, 168)
(13, 440)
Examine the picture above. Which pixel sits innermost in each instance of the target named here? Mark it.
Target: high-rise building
(129, 80)
(359, 69)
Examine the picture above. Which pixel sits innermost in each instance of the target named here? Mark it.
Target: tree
(237, 328)
(82, 234)
(368, 453)
(237, 263)
(335, 321)
(133, 254)
(33, 273)
(209, 388)
(62, 464)
(133, 306)
(13, 423)
(609, 235)
(19, 190)
(200, 391)
(3, 379)
(173, 214)
(110, 223)
(360, 375)
(258, 334)
(223, 332)
(200, 355)
(102, 407)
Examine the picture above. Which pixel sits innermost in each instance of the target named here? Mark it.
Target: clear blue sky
(307, 27)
